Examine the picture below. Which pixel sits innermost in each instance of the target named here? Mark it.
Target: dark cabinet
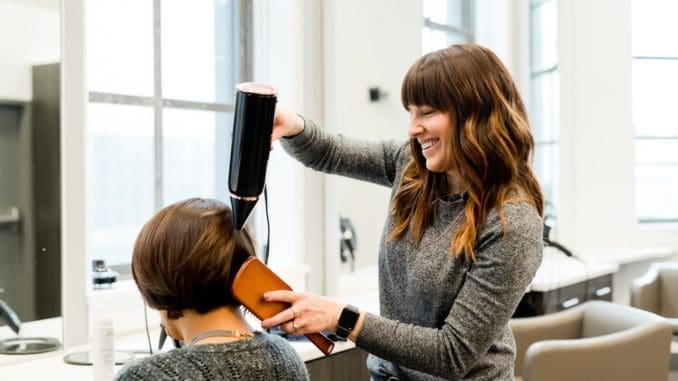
(536, 303)
(347, 365)
(30, 199)
(46, 171)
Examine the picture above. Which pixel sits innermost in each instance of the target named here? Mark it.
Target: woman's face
(433, 130)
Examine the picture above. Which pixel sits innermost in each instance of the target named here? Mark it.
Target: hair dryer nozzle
(241, 210)
(250, 147)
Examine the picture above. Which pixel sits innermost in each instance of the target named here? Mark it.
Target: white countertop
(51, 365)
(558, 270)
(38, 366)
(624, 256)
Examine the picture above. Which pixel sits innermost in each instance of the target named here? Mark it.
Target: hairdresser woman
(463, 238)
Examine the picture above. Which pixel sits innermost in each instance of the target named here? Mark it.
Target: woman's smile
(428, 145)
(433, 131)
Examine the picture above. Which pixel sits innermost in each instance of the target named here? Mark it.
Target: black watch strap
(347, 321)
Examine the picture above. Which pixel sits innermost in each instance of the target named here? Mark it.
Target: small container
(102, 349)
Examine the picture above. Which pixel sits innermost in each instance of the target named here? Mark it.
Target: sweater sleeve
(505, 265)
(375, 162)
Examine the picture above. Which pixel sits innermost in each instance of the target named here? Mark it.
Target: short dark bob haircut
(185, 257)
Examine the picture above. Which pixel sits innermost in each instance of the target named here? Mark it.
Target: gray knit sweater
(263, 357)
(441, 317)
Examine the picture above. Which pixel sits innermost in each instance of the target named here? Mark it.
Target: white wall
(288, 38)
(325, 56)
(597, 198)
(596, 213)
(366, 44)
(502, 25)
(74, 269)
(29, 35)
(596, 126)
(493, 29)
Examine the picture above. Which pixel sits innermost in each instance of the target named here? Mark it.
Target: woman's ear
(170, 327)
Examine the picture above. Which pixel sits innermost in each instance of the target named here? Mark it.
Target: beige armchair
(597, 340)
(657, 291)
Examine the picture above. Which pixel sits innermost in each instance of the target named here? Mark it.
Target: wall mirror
(30, 212)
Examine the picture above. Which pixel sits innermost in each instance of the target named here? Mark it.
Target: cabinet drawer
(569, 296)
(600, 288)
(540, 303)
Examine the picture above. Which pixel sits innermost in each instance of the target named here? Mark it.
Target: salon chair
(657, 291)
(597, 340)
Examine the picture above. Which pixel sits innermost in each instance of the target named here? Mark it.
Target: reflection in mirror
(30, 234)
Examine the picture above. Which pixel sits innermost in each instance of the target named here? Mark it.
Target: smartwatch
(347, 321)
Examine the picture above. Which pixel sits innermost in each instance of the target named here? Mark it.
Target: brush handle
(321, 341)
(249, 285)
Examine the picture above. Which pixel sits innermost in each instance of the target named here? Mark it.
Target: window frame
(640, 137)
(241, 21)
(79, 301)
(645, 224)
(464, 31)
(536, 74)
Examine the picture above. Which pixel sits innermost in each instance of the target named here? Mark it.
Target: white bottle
(102, 349)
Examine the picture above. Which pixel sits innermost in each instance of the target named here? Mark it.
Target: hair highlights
(492, 143)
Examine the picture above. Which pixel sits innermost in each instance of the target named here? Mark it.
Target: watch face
(348, 318)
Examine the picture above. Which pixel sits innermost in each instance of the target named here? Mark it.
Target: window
(161, 77)
(655, 90)
(446, 22)
(544, 99)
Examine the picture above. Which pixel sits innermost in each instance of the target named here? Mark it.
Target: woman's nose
(415, 128)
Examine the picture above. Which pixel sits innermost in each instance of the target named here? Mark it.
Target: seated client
(184, 261)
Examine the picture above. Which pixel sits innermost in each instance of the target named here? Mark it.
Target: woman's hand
(286, 123)
(308, 312)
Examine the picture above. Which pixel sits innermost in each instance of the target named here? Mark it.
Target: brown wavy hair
(185, 257)
(492, 143)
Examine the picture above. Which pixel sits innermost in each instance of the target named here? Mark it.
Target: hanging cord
(268, 227)
(563, 250)
(148, 334)
(268, 237)
(266, 253)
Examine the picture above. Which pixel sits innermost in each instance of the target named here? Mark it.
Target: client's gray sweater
(441, 317)
(263, 357)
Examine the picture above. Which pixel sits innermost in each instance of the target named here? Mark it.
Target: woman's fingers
(286, 123)
(293, 327)
(276, 320)
(288, 314)
(281, 296)
(307, 312)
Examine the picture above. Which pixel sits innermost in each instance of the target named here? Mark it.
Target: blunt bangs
(422, 83)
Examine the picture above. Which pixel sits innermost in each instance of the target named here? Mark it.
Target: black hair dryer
(250, 147)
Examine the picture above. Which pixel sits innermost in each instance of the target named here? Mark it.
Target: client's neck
(192, 324)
